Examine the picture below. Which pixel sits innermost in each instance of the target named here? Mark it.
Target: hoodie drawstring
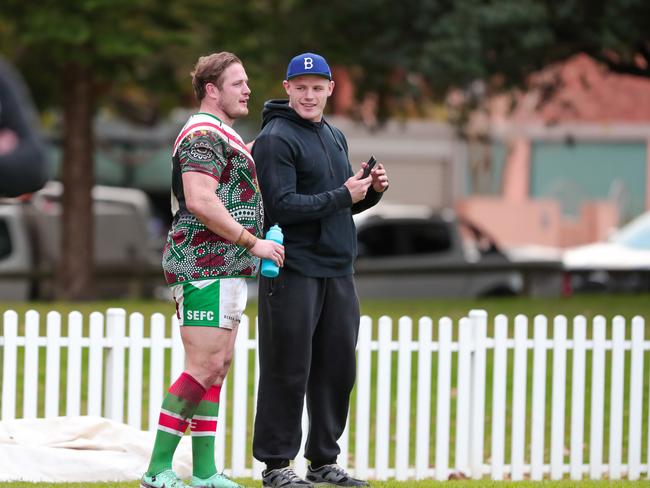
(333, 135)
(322, 143)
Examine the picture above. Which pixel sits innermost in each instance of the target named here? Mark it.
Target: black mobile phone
(371, 164)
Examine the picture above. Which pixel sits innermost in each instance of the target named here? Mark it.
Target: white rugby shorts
(211, 303)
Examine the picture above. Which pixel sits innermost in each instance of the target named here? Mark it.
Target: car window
(475, 242)
(5, 240)
(636, 234)
(377, 240)
(427, 238)
(404, 238)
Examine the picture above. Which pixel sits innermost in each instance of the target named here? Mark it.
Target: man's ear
(330, 88)
(212, 91)
(285, 84)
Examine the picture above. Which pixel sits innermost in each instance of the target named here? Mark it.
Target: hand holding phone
(371, 164)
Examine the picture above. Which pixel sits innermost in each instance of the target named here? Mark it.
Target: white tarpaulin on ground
(79, 449)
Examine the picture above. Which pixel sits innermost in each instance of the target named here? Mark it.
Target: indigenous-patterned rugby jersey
(193, 252)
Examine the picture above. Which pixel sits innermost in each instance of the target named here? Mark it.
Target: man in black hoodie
(309, 314)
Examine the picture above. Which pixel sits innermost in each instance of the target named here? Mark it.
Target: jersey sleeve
(204, 152)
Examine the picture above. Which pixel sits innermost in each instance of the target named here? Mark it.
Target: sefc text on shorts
(211, 303)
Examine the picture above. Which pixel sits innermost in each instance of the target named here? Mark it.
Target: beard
(235, 110)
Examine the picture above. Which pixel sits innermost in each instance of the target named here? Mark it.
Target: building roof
(577, 90)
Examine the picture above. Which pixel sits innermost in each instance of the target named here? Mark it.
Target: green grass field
(385, 484)
(588, 305)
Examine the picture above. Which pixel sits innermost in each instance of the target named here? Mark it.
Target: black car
(434, 255)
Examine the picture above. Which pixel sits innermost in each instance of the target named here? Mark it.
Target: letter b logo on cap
(308, 64)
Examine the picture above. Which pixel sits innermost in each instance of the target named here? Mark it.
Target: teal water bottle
(269, 268)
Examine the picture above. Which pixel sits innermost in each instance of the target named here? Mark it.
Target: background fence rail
(477, 386)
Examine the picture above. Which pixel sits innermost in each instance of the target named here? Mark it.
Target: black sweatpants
(308, 329)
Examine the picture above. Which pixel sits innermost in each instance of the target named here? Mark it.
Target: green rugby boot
(166, 479)
(217, 480)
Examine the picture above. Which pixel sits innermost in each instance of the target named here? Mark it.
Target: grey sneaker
(333, 474)
(283, 478)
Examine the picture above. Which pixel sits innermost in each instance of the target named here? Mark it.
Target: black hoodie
(302, 167)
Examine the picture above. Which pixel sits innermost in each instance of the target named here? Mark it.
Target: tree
(80, 55)
(74, 53)
(417, 48)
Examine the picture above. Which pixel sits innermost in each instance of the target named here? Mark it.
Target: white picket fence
(411, 439)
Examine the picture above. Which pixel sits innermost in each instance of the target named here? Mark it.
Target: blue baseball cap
(308, 64)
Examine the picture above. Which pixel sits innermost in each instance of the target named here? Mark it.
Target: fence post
(240, 400)
(344, 444)
(134, 407)
(178, 351)
(578, 397)
(9, 365)
(463, 396)
(616, 399)
(73, 386)
(443, 398)
(30, 383)
(403, 413)
(220, 438)
(114, 399)
(258, 466)
(52, 363)
(538, 399)
(648, 436)
(499, 383)
(558, 395)
(636, 401)
(597, 398)
(382, 439)
(300, 463)
(423, 415)
(95, 364)
(478, 319)
(519, 398)
(362, 416)
(156, 368)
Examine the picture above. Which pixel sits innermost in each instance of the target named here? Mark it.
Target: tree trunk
(76, 271)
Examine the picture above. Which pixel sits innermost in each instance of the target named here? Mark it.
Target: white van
(125, 239)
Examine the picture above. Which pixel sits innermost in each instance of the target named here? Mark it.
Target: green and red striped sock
(204, 428)
(178, 407)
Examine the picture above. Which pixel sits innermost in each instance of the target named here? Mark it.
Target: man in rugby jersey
(213, 246)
